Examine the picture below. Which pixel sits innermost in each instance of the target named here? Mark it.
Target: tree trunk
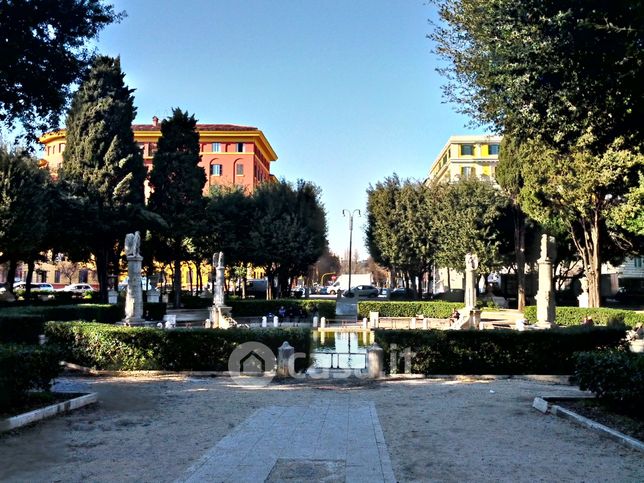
(176, 283)
(12, 265)
(30, 274)
(588, 248)
(101, 272)
(519, 248)
(449, 283)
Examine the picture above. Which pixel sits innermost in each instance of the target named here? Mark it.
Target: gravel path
(445, 429)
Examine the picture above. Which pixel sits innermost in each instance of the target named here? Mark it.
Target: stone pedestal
(284, 354)
(134, 295)
(153, 296)
(545, 294)
(112, 297)
(219, 317)
(375, 361)
(583, 296)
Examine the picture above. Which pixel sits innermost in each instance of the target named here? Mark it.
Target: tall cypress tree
(177, 183)
(102, 165)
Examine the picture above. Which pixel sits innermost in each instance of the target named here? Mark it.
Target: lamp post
(350, 214)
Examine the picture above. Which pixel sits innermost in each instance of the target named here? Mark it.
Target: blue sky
(345, 90)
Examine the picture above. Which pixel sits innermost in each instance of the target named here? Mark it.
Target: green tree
(509, 175)
(564, 79)
(288, 230)
(465, 216)
(102, 165)
(43, 53)
(548, 70)
(177, 183)
(23, 210)
(581, 192)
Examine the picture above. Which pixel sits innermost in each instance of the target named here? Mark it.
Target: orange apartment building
(231, 155)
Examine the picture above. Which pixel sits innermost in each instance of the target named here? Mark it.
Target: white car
(37, 286)
(78, 288)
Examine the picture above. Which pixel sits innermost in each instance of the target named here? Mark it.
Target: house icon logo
(252, 364)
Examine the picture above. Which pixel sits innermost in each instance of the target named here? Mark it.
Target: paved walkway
(327, 441)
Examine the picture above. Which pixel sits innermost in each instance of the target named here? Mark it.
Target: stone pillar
(264, 322)
(375, 361)
(134, 295)
(315, 322)
(583, 296)
(284, 354)
(322, 322)
(412, 324)
(373, 319)
(365, 323)
(424, 323)
(545, 294)
(276, 321)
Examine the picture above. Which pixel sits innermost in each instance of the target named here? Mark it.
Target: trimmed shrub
(568, 316)
(91, 312)
(614, 376)
(25, 368)
(21, 329)
(136, 348)
(258, 308)
(496, 351)
(432, 310)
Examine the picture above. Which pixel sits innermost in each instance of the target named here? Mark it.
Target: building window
(467, 150)
(61, 147)
(493, 149)
(216, 147)
(83, 275)
(466, 172)
(239, 169)
(637, 262)
(215, 170)
(240, 147)
(57, 276)
(153, 149)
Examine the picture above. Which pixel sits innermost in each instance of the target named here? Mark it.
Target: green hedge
(25, 368)
(496, 351)
(91, 312)
(615, 376)
(568, 316)
(258, 308)
(21, 329)
(433, 310)
(134, 348)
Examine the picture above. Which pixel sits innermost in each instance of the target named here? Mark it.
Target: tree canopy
(43, 53)
(102, 164)
(177, 181)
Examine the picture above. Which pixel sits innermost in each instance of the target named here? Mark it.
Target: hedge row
(568, 316)
(92, 312)
(496, 351)
(252, 308)
(135, 348)
(433, 310)
(615, 376)
(25, 368)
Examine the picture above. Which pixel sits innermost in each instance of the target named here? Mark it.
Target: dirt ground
(444, 429)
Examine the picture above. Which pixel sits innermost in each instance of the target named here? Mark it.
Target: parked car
(78, 288)
(385, 293)
(35, 287)
(362, 291)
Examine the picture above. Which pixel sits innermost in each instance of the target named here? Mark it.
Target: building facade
(465, 157)
(231, 155)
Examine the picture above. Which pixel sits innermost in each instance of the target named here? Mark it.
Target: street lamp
(350, 214)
